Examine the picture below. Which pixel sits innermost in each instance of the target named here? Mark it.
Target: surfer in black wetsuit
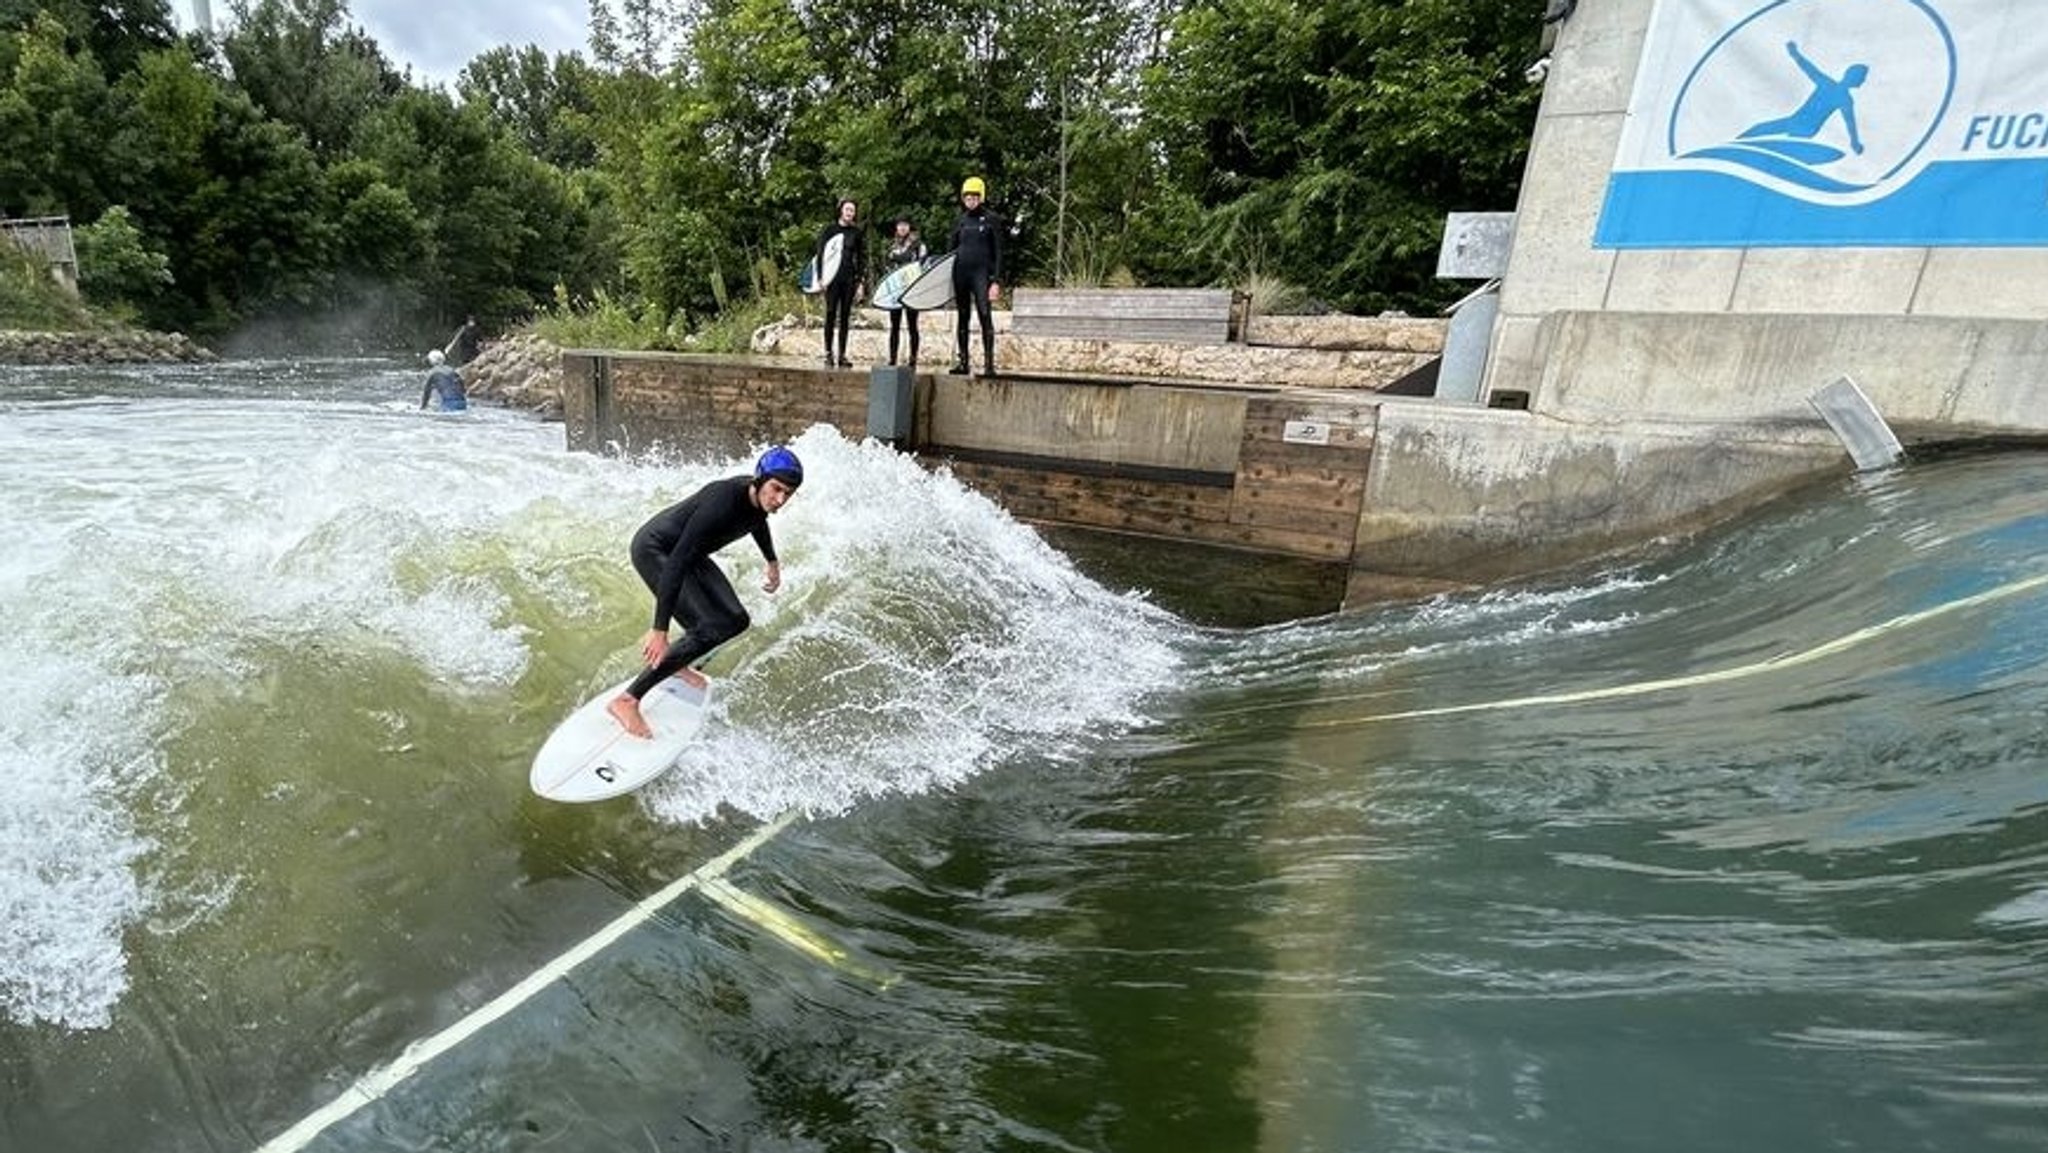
(905, 247)
(672, 553)
(977, 271)
(845, 282)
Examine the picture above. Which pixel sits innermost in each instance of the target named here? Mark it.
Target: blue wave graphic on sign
(1808, 92)
(1833, 123)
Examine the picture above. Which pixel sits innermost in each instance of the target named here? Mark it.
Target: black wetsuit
(977, 263)
(910, 250)
(466, 342)
(672, 553)
(839, 290)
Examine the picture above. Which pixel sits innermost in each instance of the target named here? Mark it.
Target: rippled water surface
(1744, 846)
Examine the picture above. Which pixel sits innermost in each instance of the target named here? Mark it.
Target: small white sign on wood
(1305, 432)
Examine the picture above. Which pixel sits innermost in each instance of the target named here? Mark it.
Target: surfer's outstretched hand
(773, 580)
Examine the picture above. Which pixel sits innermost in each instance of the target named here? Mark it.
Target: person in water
(977, 272)
(1830, 98)
(443, 382)
(672, 554)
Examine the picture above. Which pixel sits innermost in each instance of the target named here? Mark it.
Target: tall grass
(605, 321)
(1272, 296)
(31, 301)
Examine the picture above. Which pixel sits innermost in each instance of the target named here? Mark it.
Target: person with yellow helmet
(977, 271)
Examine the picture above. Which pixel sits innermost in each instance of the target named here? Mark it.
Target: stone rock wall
(521, 371)
(1323, 352)
(125, 347)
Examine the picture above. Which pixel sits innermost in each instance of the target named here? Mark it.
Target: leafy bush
(117, 269)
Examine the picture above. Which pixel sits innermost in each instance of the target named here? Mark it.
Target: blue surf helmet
(781, 464)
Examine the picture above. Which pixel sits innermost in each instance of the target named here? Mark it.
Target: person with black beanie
(844, 286)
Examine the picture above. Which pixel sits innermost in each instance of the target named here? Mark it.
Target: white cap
(433, 356)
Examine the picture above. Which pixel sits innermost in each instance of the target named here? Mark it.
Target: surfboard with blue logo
(889, 293)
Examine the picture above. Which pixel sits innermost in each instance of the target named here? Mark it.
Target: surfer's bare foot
(626, 711)
(694, 679)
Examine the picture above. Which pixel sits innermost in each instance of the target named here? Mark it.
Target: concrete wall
(1666, 389)
(1955, 295)
(1167, 428)
(647, 401)
(1476, 495)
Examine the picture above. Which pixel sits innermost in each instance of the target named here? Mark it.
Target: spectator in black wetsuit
(672, 553)
(845, 282)
(905, 247)
(466, 343)
(977, 271)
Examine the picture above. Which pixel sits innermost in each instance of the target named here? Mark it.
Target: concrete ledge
(1479, 495)
(1725, 367)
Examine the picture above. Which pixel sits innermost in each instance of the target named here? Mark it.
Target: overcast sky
(438, 37)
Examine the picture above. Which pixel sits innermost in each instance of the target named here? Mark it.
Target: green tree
(305, 65)
(505, 227)
(547, 106)
(1324, 143)
(382, 236)
(117, 269)
(54, 117)
(256, 234)
(115, 32)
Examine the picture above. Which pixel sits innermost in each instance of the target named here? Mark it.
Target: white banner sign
(1902, 123)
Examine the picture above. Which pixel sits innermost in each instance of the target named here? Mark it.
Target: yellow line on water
(375, 1084)
(1739, 672)
(772, 919)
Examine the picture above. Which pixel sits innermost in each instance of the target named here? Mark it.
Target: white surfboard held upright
(590, 757)
(817, 274)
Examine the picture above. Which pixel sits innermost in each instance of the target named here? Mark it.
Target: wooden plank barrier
(1144, 315)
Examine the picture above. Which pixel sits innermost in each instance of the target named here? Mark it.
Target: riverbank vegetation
(30, 299)
(286, 181)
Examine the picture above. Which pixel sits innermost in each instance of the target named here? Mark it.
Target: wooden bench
(1146, 315)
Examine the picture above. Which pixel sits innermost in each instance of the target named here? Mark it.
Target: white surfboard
(817, 274)
(932, 290)
(589, 757)
(889, 293)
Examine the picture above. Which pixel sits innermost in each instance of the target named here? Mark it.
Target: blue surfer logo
(1826, 100)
